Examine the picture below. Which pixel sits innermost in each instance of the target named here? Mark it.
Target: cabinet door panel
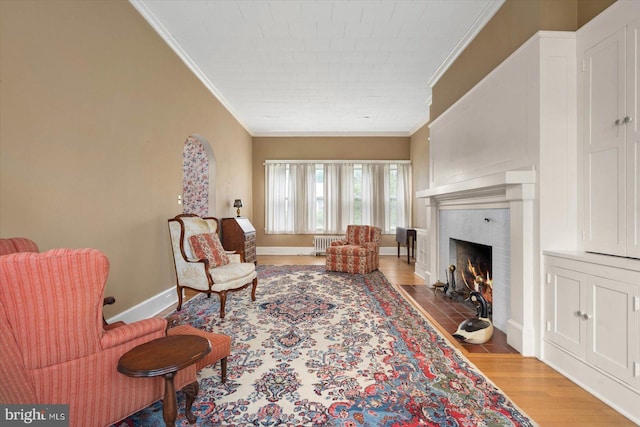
(633, 199)
(633, 142)
(605, 229)
(612, 327)
(565, 300)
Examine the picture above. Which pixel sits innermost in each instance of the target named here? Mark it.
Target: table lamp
(237, 203)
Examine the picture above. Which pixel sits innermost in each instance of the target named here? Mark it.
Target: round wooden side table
(164, 357)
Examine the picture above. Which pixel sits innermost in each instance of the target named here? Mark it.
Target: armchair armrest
(172, 322)
(339, 243)
(131, 331)
(235, 257)
(108, 301)
(371, 246)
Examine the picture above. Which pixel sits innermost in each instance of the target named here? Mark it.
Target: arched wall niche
(198, 176)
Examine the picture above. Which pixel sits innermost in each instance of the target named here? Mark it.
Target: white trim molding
(148, 308)
(310, 250)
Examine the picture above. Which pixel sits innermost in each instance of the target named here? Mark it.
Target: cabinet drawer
(250, 237)
(250, 255)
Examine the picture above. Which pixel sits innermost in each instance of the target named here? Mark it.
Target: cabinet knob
(618, 122)
(627, 119)
(579, 313)
(586, 316)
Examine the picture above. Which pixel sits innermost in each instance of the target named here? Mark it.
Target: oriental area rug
(333, 349)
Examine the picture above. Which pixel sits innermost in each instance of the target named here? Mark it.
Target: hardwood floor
(540, 391)
(545, 395)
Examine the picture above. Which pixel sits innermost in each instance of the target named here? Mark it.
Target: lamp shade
(237, 203)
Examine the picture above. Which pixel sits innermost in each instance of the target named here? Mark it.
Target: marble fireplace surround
(514, 190)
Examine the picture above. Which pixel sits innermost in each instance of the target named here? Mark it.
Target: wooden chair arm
(107, 326)
(172, 322)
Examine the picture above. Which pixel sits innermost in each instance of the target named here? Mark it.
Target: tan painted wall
(588, 9)
(512, 25)
(94, 109)
(320, 148)
(420, 162)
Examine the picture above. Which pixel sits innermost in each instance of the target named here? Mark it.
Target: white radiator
(321, 243)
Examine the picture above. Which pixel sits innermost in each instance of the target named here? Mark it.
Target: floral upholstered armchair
(357, 252)
(201, 262)
(55, 349)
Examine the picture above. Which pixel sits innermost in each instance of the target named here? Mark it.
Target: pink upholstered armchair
(55, 348)
(357, 253)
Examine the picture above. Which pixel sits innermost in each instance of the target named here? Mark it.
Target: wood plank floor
(540, 391)
(545, 395)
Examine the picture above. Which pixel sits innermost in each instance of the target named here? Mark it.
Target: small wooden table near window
(164, 357)
(407, 236)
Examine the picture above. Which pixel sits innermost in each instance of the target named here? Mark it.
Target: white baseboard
(285, 250)
(147, 308)
(308, 250)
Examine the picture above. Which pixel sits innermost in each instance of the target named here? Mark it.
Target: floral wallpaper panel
(195, 178)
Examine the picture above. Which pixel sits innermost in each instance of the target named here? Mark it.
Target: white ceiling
(320, 67)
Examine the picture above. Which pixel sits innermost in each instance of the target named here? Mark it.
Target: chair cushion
(350, 250)
(208, 246)
(232, 271)
(220, 343)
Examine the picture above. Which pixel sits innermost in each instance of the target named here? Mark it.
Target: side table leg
(191, 391)
(170, 404)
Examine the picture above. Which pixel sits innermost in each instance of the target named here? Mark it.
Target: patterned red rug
(332, 349)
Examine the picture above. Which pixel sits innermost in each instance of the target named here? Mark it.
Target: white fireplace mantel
(495, 188)
(516, 191)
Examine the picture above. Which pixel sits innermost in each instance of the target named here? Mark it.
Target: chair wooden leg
(191, 391)
(179, 298)
(223, 366)
(253, 289)
(223, 303)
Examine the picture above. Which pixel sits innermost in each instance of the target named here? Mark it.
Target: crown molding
(152, 19)
(486, 15)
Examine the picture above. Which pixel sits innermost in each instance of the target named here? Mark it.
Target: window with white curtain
(323, 197)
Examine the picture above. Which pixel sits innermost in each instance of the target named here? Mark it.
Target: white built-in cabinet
(592, 312)
(612, 143)
(591, 315)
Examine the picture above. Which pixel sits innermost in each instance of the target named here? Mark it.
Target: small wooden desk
(407, 236)
(164, 357)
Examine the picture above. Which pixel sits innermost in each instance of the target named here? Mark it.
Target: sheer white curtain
(302, 178)
(290, 198)
(292, 204)
(338, 197)
(382, 205)
(403, 192)
(276, 200)
(374, 184)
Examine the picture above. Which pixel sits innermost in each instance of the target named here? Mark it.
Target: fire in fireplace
(471, 270)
